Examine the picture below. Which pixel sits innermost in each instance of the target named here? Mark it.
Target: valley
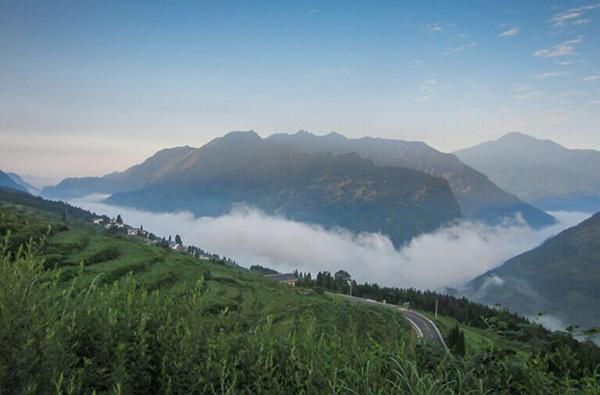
(347, 197)
(184, 308)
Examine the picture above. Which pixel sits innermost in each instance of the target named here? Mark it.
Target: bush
(121, 337)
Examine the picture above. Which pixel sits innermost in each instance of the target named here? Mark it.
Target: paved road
(423, 326)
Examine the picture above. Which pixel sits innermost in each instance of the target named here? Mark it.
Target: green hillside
(559, 278)
(83, 310)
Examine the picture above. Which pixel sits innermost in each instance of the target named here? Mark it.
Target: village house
(287, 278)
(179, 247)
(133, 232)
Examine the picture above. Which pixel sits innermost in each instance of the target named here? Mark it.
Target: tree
(178, 240)
(456, 341)
(64, 214)
(343, 281)
(342, 275)
(119, 220)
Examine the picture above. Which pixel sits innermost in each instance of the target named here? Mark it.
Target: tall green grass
(82, 336)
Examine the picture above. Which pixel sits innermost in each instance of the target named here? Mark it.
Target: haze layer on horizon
(94, 87)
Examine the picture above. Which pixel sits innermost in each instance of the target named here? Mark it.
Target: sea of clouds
(448, 257)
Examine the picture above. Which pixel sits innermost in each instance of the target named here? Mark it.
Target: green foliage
(121, 337)
(262, 270)
(456, 341)
(149, 320)
(46, 206)
(485, 325)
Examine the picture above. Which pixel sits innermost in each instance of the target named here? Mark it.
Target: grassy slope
(103, 258)
(203, 327)
(560, 277)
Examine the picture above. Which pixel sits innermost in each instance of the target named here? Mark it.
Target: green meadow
(86, 311)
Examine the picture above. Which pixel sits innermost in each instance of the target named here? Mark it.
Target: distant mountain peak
(538, 170)
(517, 134)
(250, 134)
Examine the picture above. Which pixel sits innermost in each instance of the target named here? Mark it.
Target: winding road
(423, 326)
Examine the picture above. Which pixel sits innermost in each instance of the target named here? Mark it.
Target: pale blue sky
(92, 87)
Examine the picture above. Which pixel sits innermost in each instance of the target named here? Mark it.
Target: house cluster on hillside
(116, 225)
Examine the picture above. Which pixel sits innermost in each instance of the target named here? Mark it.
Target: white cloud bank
(448, 257)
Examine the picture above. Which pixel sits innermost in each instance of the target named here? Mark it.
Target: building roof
(282, 277)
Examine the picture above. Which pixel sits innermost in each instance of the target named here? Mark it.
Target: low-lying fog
(446, 258)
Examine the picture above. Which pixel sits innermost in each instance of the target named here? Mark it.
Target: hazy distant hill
(153, 168)
(477, 195)
(331, 190)
(560, 277)
(17, 179)
(540, 171)
(8, 182)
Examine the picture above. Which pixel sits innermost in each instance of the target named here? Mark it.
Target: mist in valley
(448, 257)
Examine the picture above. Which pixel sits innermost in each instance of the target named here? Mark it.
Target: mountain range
(558, 278)
(476, 195)
(541, 172)
(345, 190)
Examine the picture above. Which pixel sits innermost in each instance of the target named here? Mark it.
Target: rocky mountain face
(478, 197)
(559, 278)
(322, 188)
(329, 180)
(540, 171)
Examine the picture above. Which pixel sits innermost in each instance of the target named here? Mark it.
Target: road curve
(423, 326)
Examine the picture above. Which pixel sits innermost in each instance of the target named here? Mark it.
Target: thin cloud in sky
(429, 89)
(433, 27)
(573, 16)
(584, 21)
(526, 92)
(591, 78)
(510, 32)
(460, 48)
(565, 48)
(553, 74)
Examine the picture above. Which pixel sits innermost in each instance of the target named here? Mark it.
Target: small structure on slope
(287, 278)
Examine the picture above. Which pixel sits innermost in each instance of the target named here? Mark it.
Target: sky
(88, 88)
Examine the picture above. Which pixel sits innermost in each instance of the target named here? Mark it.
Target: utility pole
(436, 307)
